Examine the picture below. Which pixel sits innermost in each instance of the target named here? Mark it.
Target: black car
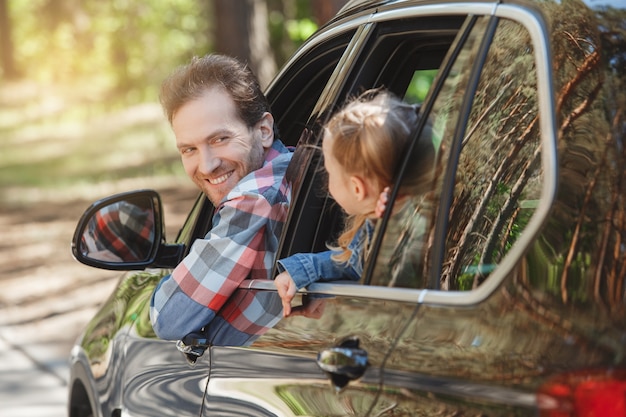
(499, 292)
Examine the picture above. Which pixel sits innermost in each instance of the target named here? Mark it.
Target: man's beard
(255, 160)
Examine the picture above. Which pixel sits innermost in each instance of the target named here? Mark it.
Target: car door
(461, 354)
(516, 286)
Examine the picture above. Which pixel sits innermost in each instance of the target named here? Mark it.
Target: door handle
(343, 363)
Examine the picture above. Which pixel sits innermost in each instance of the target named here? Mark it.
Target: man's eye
(220, 139)
(186, 151)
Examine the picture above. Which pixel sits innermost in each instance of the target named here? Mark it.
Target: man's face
(216, 146)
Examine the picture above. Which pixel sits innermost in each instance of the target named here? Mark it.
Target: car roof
(356, 6)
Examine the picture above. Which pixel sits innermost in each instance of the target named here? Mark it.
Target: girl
(363, 145)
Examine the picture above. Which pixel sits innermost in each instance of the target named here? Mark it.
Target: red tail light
(585, 394)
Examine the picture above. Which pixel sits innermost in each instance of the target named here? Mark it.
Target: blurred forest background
(80, 120)
(79, 82)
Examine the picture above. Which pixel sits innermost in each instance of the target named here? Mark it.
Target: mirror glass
(122, 231)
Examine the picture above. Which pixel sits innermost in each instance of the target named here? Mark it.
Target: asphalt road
(33, 356)
(34, 380)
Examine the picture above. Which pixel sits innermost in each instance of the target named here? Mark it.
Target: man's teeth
(219, 180)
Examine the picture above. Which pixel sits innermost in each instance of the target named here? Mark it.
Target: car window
(299, 86)
(402, 258)
(419, 86)
(487, 178)
(403, 57)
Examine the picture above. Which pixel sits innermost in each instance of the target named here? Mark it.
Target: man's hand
(286, 290)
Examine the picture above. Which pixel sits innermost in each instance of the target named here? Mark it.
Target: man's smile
(220, 179)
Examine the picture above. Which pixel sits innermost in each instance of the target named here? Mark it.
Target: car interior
(396, 61)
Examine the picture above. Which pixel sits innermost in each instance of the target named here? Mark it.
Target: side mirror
(121, 232)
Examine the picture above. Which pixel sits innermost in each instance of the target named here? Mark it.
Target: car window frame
(539, 34)
(357, 60)
(294, 68)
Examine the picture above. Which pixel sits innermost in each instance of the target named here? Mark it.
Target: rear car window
(488, 167)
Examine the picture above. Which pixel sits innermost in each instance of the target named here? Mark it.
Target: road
(46, 297)
(26, 390)
(36, 334)
(34, 379)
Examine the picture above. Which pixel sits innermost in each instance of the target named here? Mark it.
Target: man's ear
(266, 129)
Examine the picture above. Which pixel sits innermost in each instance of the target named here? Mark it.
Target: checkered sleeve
(215, 266)
(123, 229)
(246, 316)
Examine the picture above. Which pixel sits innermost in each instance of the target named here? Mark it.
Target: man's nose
(209, 161)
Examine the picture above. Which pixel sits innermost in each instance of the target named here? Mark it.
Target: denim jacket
(307, 268)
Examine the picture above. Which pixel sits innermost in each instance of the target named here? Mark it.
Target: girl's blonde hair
(370, 138)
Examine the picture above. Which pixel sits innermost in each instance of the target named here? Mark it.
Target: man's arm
(198, 287)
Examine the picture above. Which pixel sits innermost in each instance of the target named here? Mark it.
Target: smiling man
(229, 148)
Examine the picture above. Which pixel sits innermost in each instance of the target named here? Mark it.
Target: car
(498, 291)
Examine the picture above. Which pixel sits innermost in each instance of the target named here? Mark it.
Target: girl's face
(341, 184)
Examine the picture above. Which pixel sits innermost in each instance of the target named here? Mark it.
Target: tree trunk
(241, 31)
(7, 61)
(324, 10)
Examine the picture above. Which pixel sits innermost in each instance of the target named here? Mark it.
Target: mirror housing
(124, 232)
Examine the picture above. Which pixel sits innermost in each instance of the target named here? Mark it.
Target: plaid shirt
(245, 316)
(241, 244)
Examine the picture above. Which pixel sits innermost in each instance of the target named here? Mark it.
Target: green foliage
(300, 30)
(119, 45)
(290, 25)
(465, 281)
(128, 47)
(87, 67)
(420, 85)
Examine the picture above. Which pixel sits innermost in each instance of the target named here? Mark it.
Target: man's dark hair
(191, 81)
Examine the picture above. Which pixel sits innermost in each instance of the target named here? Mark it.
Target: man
(228, 144)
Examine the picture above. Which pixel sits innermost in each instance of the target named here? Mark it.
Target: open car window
(404, 59)
(486, 177)
(296, 92)
(305, 78)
